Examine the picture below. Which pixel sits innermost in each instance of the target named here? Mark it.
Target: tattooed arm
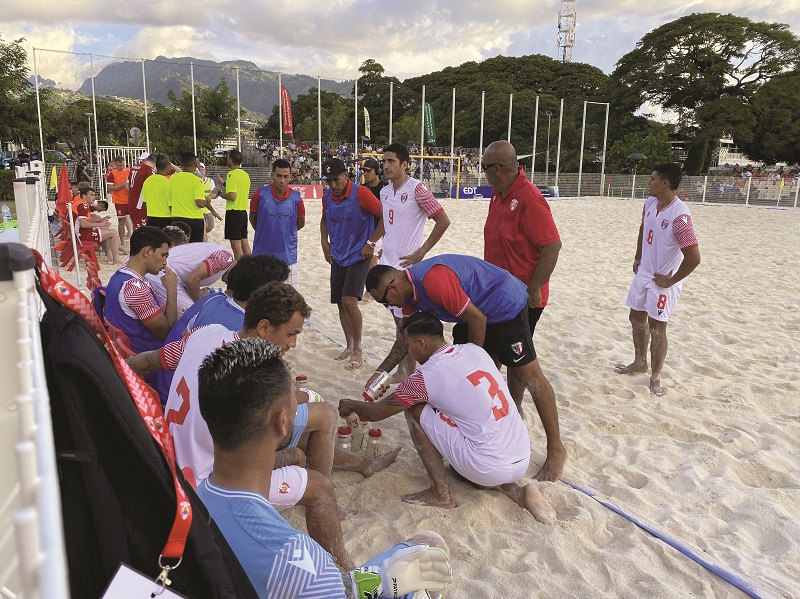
(290, 456)
(396, 355)
(146, 362)
(372, 411)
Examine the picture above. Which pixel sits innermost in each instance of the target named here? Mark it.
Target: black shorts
(159, 221)
(348, 281)
(510, 342)
(534, 314)
(197, 225)
(236, 224)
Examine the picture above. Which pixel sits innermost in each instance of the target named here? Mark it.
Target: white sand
(713, 464)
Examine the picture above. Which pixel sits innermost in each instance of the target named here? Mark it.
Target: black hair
(281, 163)
(237, 386)
(151, 237)
(251, 272)
(671, 172)
(177, 234)
(188, 161)
(424, 324)
(182, 226)
(276, 302)
(398, 150)
(162, 161)
(102, 205)
(376, 275)
(84, 191)
(236, 157)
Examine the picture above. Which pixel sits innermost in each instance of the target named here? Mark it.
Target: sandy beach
(715, 464)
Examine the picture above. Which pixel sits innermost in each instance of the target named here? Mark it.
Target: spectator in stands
(117, 184)
(131, 301)
(277, 213)
(97, 229)
(83, 172)
(237, 196)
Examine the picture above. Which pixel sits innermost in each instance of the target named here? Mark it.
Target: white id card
(130, 584)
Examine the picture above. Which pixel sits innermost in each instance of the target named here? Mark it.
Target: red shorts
(92, 234)
(138, 216)
(122, 210)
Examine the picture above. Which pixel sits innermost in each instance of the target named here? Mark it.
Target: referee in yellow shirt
(156, 194)
(237, 196)
(189, 197)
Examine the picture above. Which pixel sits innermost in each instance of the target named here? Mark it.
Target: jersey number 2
(497, 395)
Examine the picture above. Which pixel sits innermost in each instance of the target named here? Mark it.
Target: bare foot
(553, 466)
(428, 497)
(633, 367)
(656, 388)
(380, 462)
(356, 360)
(536, 504)
(344, 355)
(122, 250)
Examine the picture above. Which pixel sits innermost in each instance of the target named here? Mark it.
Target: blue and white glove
(409, 569)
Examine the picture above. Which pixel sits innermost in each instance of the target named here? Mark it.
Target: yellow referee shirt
(185, 188)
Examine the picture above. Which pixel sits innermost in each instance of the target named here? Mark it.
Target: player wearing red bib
(457, 406)
(666, 253)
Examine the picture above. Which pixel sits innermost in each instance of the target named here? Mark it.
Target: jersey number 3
(499, 401)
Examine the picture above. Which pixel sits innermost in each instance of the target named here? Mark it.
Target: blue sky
(332, 38)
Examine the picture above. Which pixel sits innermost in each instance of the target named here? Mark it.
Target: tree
(654, 144)
(18, 122)
(215, 119)
(699, 59)
(775, 111)
(337, 117)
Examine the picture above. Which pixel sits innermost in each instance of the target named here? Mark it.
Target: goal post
(451, 173)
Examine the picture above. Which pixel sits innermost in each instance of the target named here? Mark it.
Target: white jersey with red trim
(665, 234)
(464, 385)
(183, 259)
(194, 449)
(404, 214)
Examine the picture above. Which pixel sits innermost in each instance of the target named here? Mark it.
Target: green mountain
(258, 88)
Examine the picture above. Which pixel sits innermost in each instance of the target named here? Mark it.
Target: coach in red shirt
(521, 237)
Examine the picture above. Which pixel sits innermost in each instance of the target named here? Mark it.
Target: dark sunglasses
(385, 293)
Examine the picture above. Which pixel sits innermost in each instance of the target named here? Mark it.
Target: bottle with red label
(344, 438)
(374, 442)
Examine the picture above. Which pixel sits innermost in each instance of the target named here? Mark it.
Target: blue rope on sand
(730, 577)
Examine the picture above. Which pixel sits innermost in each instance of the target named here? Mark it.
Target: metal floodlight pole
(547, 154)
(144, 95)
(510, 110)
(319, 122)
(194, 119)
(38, 106)
(355, 120)
(280, 117)
(480, 143)
(422, 136)
(558, 148)
(391, 108)
(452, 136)
(535, 132)
(238, 111)
(94, 114)
(580, 156)
(605, 142)
(89, 140)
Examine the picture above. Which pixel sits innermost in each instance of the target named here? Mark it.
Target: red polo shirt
(518, 225)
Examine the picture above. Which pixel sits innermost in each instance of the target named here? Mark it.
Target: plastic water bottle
(301, 382)
(378, 386)
(374, 442)
(365, 428)
(6, 213)
(345, 438)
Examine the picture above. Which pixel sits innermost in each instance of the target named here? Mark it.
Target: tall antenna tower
(567, 19)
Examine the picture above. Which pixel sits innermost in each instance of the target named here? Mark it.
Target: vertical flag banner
(430, 125)
(53, 179)
(286, 107)
(366, 124)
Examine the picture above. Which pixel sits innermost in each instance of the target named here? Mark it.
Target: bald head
(501, 152)
(500, 165)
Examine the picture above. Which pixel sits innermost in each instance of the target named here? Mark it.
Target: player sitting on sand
(457, 406)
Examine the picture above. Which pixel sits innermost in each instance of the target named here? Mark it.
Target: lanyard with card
(149, 408)
(127, 583)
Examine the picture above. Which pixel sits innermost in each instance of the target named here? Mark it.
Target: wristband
(367, 582)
